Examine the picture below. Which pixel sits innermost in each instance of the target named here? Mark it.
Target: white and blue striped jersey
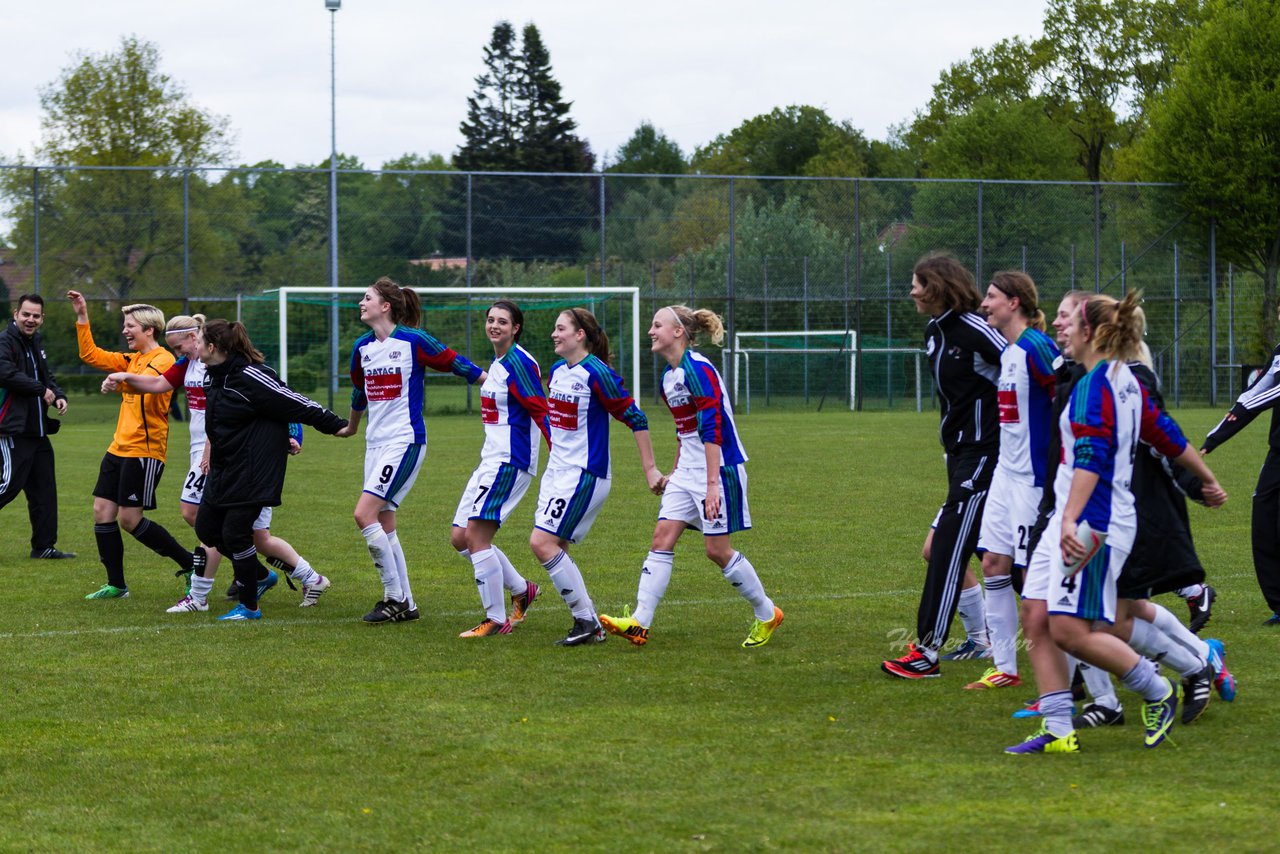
(1025, 396)
(388, 379)
(1108, 412)
(694, 392)
(513, 408)
(581, 398)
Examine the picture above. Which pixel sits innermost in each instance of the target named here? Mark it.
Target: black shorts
(129, 481)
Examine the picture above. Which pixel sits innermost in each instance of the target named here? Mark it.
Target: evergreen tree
(491, 131)
(548, 142)
(517, 121)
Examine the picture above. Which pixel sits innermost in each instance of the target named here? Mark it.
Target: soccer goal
(455, 315)
(793, 363)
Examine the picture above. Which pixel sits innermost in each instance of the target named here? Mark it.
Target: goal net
(293, 328)
(800, 365)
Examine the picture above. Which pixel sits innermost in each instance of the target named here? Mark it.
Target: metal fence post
(468, 227)
(766, 329)
(1231, 331)
(978, 258)
(653, 357)
(804, 284)
(1213, 312)
(186, 241)
(1097, 238)
(35, 208)
(1177, 364)
(602, 246)
(857, 288)
(731, 294)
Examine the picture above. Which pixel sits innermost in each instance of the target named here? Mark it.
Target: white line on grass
(181, 623)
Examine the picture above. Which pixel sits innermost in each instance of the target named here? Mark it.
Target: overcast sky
(405, 67)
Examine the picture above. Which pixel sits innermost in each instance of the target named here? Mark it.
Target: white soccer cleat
(187, 604)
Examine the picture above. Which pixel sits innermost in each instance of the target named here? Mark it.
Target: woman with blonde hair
(707, 488)
(134, 463)
(1094, 528)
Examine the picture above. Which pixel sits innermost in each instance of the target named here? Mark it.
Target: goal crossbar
(742, 355)
(586, 292)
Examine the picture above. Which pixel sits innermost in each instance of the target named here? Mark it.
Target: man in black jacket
(27, 390)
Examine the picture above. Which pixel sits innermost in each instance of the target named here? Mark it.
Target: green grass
(125, 728)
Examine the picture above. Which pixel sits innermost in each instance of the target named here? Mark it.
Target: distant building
(437, 262)
(17, 279)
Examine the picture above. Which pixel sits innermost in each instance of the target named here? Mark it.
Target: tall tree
(491, 131)
(1216, 130)
(109, 232)
(548, 140)
(649, 151)
(787, 141)
(1092, 71)
(517, 121)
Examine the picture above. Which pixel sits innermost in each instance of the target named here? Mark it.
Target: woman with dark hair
(707, 489)
(582, 394)
(388, 372)
(513, 409)
(964, 354)
(247, 416)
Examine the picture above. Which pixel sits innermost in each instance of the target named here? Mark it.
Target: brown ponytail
(597, 339)
(1116, 325)
(231, 337)
(406, 308)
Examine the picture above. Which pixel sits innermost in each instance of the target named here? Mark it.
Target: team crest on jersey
(577, 386)
(394, 356)
(930, 345)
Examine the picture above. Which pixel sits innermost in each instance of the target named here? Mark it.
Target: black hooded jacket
(247, 415)
(24, 376)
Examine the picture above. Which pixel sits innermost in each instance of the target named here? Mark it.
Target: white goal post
(587, 293)
(847, 338)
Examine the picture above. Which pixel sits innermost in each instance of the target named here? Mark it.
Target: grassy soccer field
(126, 728)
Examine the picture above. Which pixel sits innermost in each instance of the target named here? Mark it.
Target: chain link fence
(821, 265)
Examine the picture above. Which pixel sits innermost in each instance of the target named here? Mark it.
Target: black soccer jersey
(1262, 395)
(964, 355)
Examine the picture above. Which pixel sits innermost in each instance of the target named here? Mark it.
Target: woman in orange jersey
(132, 466)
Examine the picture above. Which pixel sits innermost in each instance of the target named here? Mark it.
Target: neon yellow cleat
(762, 630)
(626, 627)
(994, 678)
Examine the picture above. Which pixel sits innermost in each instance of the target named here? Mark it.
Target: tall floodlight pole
(333, 6)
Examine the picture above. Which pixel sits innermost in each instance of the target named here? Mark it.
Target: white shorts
(494, 490)
(390, 470)
(1010, 513)
(569, 499)
(1090, 594)
(193, 486)
(684, 500)
(193, 489)
(1040, 567)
